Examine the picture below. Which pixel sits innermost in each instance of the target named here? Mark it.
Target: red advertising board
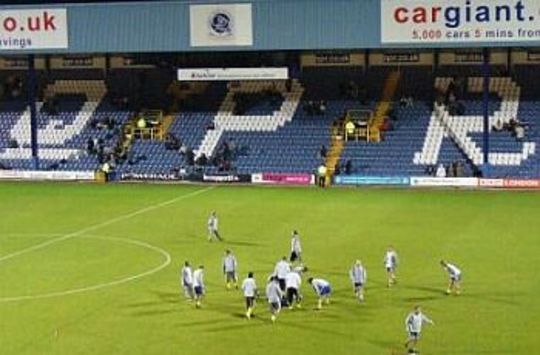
(522, 184)
(285, 179)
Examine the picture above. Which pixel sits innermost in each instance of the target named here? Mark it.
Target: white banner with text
(228, 74)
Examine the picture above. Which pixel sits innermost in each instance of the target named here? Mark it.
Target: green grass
(493, 236)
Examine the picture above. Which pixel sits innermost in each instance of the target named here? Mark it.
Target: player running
(198, 285)
(296, 248)
(455, 277)
(229, 269)
(274, 296)
(293, 281)
(358, 275)
(187, 281)
(413, 325)
(391, 263)
(213, 223)
(322, 289)
(249, 286)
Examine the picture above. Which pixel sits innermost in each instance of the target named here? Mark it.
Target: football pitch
(89, 269)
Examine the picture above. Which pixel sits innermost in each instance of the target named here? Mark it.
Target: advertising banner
(33, 29)
(227, 178)
(491, 182)
(444, 182)
(221, 25)
(459, 21)
(46, 175)
(228, 74)
(522, 184)
(285, 179)
(371, 180)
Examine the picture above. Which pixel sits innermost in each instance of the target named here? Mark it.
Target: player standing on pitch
(187, 281)
(229, 269)
(390, 263)
(198, 285)
(413, 325)
(212, 224)
(455, 277)
(358, 275)
(296, 248)
(249, 286)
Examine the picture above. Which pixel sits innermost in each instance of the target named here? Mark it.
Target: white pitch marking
(163, 265)
(102, 224)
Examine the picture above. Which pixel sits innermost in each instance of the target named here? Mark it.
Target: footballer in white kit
(358, 275)
(454, 274)
(390, 264)
(229, 269)
(187, 281)
(296, 248)
(413, 326)
(323, 290)
(280, 271)
(249, 287)
(212, 224)
(293, 281)
(274, 296)
(198, 285)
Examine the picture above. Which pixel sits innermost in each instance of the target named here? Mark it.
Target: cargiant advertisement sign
(459, 21)
(33, 29)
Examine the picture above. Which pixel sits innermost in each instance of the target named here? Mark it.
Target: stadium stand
(271, 129)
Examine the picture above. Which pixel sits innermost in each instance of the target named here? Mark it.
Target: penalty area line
(103, 224)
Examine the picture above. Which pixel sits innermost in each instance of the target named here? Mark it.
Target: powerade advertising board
(459, 21)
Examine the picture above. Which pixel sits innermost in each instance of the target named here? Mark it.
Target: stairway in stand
(383, 106)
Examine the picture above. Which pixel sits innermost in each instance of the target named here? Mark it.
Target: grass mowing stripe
(103, 224)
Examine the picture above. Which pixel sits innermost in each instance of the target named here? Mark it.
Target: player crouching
(455, 277)
(322, 289)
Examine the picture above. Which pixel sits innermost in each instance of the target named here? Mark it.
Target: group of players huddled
(283, 285)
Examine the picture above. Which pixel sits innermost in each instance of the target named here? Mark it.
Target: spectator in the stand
(190, 157)
(519, 132)
(348, 167)
(350, 128)
(183, 149)
(498, 126)
(90, 146)
(141, 123)
(430, 170)
(202, 160)
(322, 107)
(441, 171)
(322, 152)
(210, 126)
(337, 169)
(288, 85)
(403, 101)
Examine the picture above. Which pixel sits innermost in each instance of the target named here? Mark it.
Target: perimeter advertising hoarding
(459, 21)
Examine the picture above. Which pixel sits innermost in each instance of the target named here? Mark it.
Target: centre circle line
(166, 262)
